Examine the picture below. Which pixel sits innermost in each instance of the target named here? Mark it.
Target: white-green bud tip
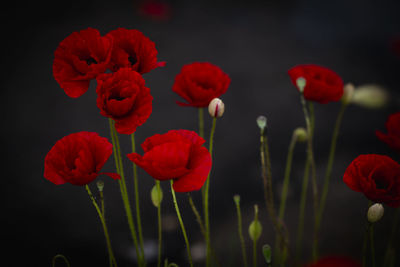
(236, 198)
(262, 122)
(216, 108)
(348, 93)
(100, 185)
(301, 134)
(370, 96)
(375, 212)
(301, 83)
(156, 196)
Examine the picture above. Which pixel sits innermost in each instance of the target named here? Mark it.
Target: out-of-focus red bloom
(199, 83)
(133, 50)
(335, 261)
(392, 138)
(177, 155)
(322, 84)
(377, 177)
(79, 58)
(155, 10)
(77, 159)
(124, 97)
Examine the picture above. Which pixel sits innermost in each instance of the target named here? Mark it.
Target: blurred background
(255, 42)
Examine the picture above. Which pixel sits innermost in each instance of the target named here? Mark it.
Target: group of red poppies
(117, 62)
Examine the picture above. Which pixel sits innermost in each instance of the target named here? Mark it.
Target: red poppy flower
(77, 159)
(199, 83)
(155, 10)
(322, 84)
(392, 138)
(133, 50)
(79, 58)
(177, 155)
(124, 97)
(377, 177)
(335, 261)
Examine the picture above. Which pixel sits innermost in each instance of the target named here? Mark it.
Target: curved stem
(103, 222)
(136, 187)
(182, 225)
(197, 214)
(62, 257)
(159, 227)
(206, 209)
(240, 232)
(328, 173)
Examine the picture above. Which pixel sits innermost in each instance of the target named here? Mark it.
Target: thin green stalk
(206, 192)
(124, 193)
(103, 222)
(365, 243)
(389, 259)
(371, 241)
(255, 238)
(197, 214)
(240, 231)
(61, 257)
(331, 158)
(159, 226)
(310, 155)
(136, 187)
(182, 225)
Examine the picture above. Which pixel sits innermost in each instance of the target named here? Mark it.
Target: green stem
(197, 214)
(255, 252)
(61, 257)
(206, 192)
(103, 222)
(365, 243)
(371, 240)
(389, 259)
(124, 194)
(103, 212)
(136, 187)
(159, 226)
(182, 225)
(310, 155)
(331, 158)
(240, 231)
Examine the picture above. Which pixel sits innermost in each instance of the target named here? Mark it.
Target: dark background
(255, 42)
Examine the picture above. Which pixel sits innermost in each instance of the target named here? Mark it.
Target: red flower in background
(177, 155)
(392, 138)
(124, 97)
(322, 84)
(79, 58)
(155, 10)
(377, 177)
(199, 83)
(133, 50)
(77, 159)
(335, 261)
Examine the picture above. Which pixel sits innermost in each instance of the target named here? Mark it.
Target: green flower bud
(262, 122)
(375, 212)
(255, 230)
(370, 96)
(348, 93)
(301, 83)
(156, 196)
(236, 198)
(216, 108)
(266, 250)
(100, 185)
(301, 134)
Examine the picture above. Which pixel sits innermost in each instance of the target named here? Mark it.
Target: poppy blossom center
(91, 61)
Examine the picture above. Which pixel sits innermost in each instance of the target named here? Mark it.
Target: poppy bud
(255, 227)
(156, 195)
(370, 96)
(301, 83)
(301, 134)
(236, 198)
(100, 185)
(216, 108)
(375, 212)
(266, 250)
(348, 92)
(262, 122)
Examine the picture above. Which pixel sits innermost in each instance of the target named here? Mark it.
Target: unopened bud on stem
(216, 108)
(262, 122)
(266, 250)
(236, 198)
(348, 92)
(156, 195)
(100, 185)
(301, 134)
(375, 212)
(370, 96)
(255, 227)
(301, 83)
